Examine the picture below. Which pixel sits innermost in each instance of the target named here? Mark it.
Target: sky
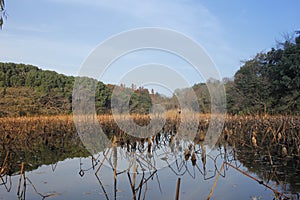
(60, 34)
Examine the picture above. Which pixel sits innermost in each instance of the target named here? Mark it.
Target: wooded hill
(268, 83)
(26, 90)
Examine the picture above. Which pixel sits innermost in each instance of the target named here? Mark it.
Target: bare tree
(3, 14)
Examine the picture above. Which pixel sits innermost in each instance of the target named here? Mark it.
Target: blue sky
(59, 34)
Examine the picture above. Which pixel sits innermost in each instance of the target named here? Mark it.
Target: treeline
(267, 84)
(26, 90)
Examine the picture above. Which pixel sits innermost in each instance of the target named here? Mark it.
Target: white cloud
(183, 16)
(47, 43)
(190, 18)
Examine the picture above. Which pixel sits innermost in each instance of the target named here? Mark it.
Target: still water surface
(186, 167)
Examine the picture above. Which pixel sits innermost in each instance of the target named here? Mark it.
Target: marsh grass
(55, 137)
(278, 135)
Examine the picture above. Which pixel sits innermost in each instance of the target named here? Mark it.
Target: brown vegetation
(276, 134)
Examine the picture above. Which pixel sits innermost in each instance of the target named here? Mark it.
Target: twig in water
(20, 179)
(177, 189)
(105, 193)
(215, 182)
(246, 174)
(43, 196)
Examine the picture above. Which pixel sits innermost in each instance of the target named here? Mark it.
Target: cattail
(128, 145)
(226, 134)
(187, 153)
(157, 138)
(133, 147)
(279, 136)
(284, 151)
(193, 159)
(171, 140)
(203, 155)
(254, 141)
(149, 145)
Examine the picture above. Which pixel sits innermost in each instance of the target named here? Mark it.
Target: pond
(160, 167)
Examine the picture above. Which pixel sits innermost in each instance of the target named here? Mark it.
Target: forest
(269, 83)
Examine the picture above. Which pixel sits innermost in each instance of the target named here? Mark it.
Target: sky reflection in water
(63, 180)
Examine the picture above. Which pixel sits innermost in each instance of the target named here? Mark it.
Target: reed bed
(38, 140)
(280, 135)
(268, 135)
(274, 135)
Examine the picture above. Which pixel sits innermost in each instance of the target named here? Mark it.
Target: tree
(252, 86)
(102, 98)
(285, 76)
(270, 82)
(3, 14)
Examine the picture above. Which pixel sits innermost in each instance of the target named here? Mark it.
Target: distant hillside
(26, 90)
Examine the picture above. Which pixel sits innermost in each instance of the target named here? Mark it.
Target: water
(67, 171)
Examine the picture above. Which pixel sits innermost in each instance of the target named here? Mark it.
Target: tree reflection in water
(189, 158)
